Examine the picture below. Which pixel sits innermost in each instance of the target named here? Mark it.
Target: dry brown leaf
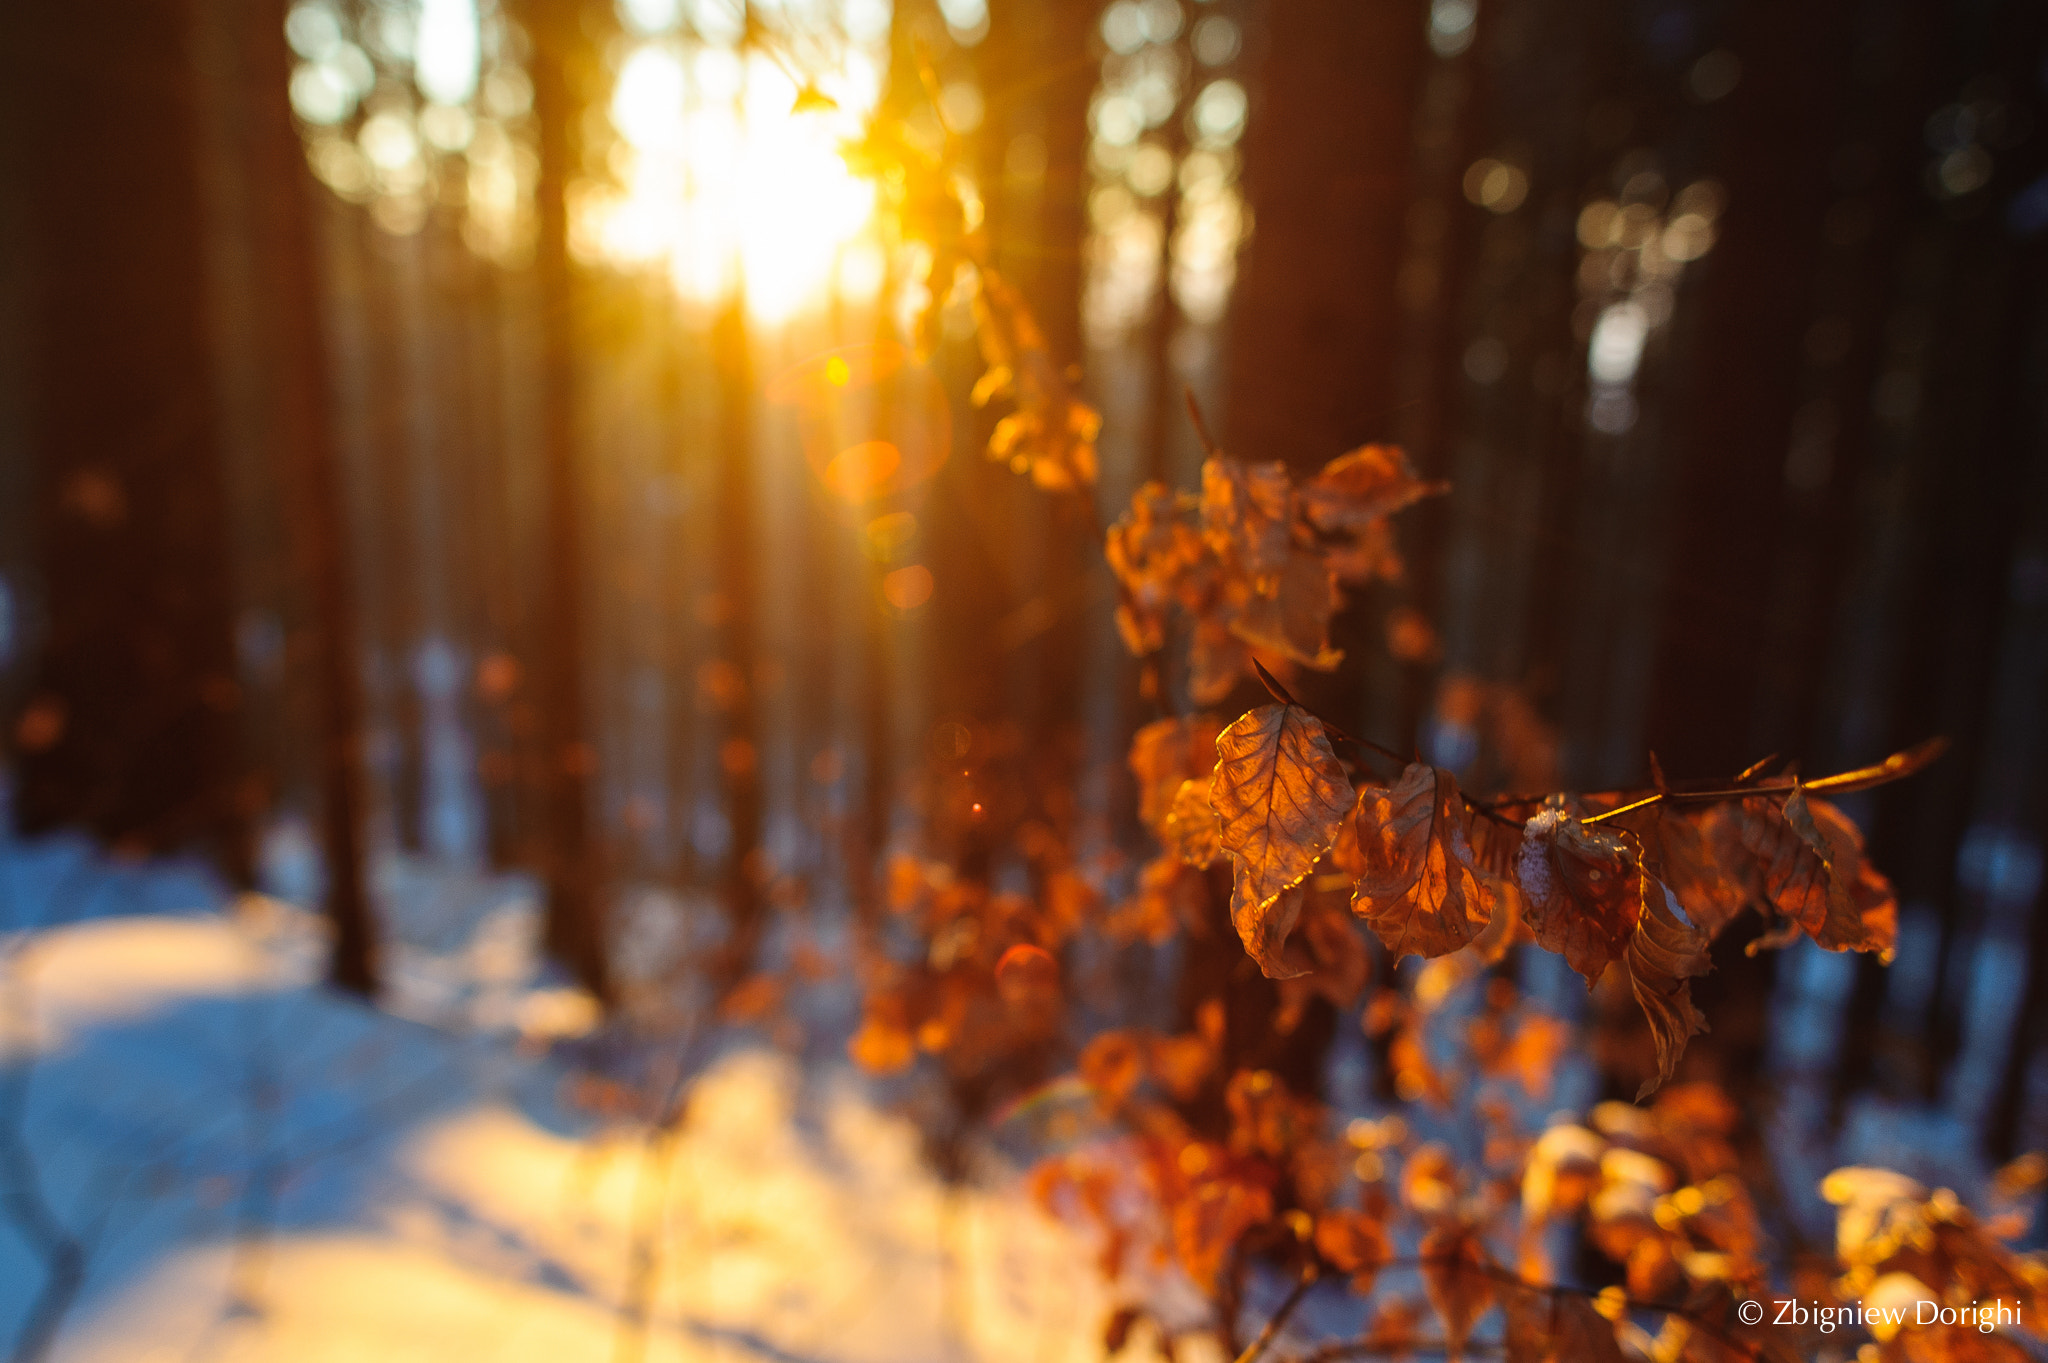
(1113, 1064)
(1665, 954)
(1698, 853)
(1247, 511)
(1191, 831)
(1052, 433)
(1279, 793)
(1815, 878)
(1210, 1219)
(1582, 890)
(1555, 1325)
(1455, 1273)
(1166, 753)
(1290, 613)
(1355, 490)
(1354, 1243)
(1421, 890)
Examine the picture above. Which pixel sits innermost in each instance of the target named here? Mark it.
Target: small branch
(1209, 445)
(1279, 1319)
(1286, 697)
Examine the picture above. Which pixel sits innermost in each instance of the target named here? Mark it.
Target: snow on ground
(247, 1166)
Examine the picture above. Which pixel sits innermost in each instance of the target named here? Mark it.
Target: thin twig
(1278, 1321)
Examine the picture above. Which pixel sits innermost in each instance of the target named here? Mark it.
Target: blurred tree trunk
(313, 487)
(1314, 324)
(130, 726)
(573, 932)
(739, 753)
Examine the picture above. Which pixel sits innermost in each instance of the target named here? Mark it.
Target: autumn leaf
(1699, 855)
(1455, 1274)
(1191, 831)
(1052, 433)
(1166, 753)
(884, 1044)
(1217, 658)
(1420, 890)
(1665, 954)
(1279, 793)
(1365, 486)
(1161, 563)
(1582, 890)
(1355, 1243)
(1246, 515)
(1554, 1325)
(1211, 1219)
(1290, 612)
(1113, 1064)
(1810, 859)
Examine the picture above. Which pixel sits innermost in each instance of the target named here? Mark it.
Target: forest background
(445, 441)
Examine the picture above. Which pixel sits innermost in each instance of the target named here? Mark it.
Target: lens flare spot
(858, 472)
(908, 588)
(838, 372)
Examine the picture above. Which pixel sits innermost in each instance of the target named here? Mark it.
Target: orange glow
(873, 421)
(908, 588)
(860, 471)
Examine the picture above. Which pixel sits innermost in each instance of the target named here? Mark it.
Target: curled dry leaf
(1698, 853)
(1810, 859)
(1420, 890)
(1279, 793)
(1582, 890)
(1664, 955)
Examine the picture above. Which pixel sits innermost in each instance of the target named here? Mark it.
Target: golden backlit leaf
(1582, 891)
(1246, 514)
(883, 1045)
(1665, 954)
(1420, 889)
(1279, 793)
(1052, 433)
(1161, 562)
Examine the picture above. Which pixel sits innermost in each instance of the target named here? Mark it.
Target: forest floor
(207, 1156)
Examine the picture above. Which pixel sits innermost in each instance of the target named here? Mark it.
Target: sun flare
(719, 180)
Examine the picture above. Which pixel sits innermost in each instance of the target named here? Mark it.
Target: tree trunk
(573, 931)
(130, 729)
(316, 496)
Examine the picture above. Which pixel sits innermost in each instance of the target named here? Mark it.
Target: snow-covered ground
(206, 1156)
